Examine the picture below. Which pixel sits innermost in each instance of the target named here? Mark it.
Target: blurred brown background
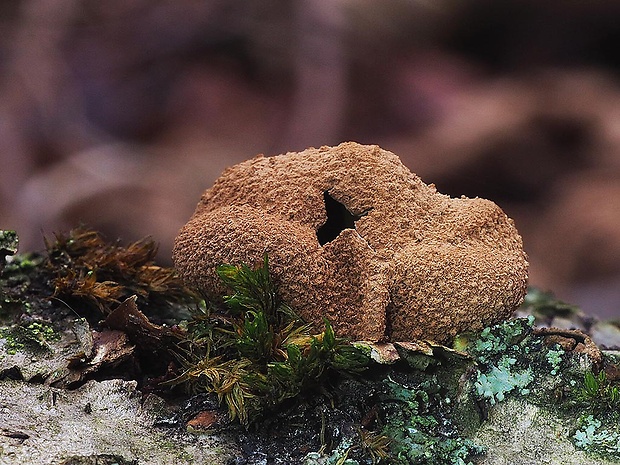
(120, 113)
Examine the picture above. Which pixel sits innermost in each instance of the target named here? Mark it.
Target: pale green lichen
(500, 380)
(419, 425)
(339, 456)
(592, 438)
(554, 358)
(497, 350)
(417, 428)
(499, 338)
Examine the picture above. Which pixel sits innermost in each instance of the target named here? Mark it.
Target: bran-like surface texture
(416, 265)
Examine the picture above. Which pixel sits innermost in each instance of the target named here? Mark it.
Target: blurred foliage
(544, 304)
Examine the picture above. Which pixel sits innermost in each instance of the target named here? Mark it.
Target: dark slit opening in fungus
(338, 218)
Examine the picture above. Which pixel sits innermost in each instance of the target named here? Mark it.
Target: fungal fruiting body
(355, 237)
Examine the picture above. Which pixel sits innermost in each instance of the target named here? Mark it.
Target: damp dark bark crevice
(338, 219)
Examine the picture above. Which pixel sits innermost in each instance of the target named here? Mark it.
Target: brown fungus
(352, 235)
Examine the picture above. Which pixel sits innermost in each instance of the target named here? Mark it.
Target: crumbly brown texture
(413, 263)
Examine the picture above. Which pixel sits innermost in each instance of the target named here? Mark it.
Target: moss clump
(82, 273)
(28, 336)
(85, 268)
(597, 431)
(598, 388)
(254, 352)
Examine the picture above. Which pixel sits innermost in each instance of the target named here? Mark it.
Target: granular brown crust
(416, 265)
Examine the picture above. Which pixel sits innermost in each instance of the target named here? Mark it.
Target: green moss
(597, 388)
(28, 336)
(255, 353)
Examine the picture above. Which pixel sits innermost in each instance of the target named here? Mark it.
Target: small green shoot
(253, 289)
(597, 387)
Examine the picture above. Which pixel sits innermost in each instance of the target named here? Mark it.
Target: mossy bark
(76, 391)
